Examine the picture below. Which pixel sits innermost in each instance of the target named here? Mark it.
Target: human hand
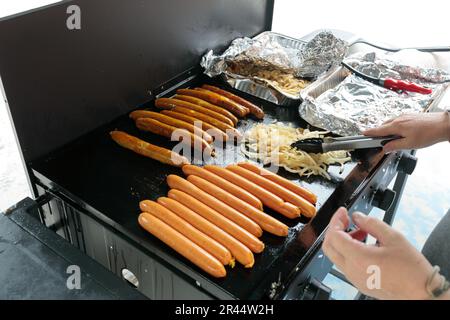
(403, 271)
(418, 131)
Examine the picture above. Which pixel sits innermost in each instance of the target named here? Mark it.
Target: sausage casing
(182, 245)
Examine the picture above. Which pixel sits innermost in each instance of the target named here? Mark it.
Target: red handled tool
(391, 84)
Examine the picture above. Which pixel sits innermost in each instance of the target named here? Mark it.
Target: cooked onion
(272, 144)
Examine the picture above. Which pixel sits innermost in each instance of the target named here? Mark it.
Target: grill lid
(61, 83)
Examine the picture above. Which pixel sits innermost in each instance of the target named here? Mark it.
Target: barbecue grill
(67, 89)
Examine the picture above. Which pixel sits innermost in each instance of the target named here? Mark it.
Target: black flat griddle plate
(113, 181)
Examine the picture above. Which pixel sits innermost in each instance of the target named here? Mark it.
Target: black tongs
(327, 144)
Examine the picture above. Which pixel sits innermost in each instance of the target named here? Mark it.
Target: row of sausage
(203, 114)
(216, 214)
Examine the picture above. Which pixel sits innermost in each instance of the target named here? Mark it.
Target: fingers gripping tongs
(327, 144)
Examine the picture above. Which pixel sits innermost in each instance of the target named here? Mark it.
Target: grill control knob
(407, 164)
(383, 198)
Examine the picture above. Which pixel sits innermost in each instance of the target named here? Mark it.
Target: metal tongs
(391, 84)
(327, 144)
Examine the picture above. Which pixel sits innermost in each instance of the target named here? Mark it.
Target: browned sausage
(208, 105)
(182, 245)
(214, 98)
(308, 210)
(212, 216)
(255, 110)
(176, 182)
(168, 104)
(266, 222)
(171, 122)
(165, 130)
(244, 236)
(174, 203)
(187, 230)
(148, 150)
(305, 193)
(211, 130)
(226, 128)
(268, 199)
(224, 184)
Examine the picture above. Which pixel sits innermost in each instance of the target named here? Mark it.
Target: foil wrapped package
(354, 104)
(281, 65)
(388, 66)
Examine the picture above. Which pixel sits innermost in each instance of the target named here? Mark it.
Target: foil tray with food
(275, 67)
(346, 104)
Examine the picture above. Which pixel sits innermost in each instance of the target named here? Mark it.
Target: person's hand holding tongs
(327, 144)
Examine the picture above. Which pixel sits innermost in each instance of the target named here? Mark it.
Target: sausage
(182, 245)
(172, 122)
(240, 233)
(231, 132)
(224, 184)
(165, 130)
(212, 216)
(285, 183)
(148, 150)
(242, 254)
(176, 182)
(267, 198)
(214, 98)
(222, 98)
(254, 110)
(168, 104)
(210, 106)
(211, 130)
(307, 209)
(266, 222)
(212, 246)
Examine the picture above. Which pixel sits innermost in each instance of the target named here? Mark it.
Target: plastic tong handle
(405, 86)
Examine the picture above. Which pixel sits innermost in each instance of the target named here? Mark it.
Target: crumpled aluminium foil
(385, 65)
(319, 54)
(271, 50)
(355, 104)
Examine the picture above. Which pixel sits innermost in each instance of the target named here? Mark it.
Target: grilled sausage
(268, 199)
(266, 222)
(211, 130)
(172, 122)
(222, 98)
(168, 104)
(182, 245)
(214, 217)
(176, 182)
(255, 110)
(208, 105)
(231, 132)
(165, 130)
(174, 203)
(148, 150)
(214, 98)
(212, 246)
(307, 209)
(305, 193)
(224, 184)
(244, 236)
